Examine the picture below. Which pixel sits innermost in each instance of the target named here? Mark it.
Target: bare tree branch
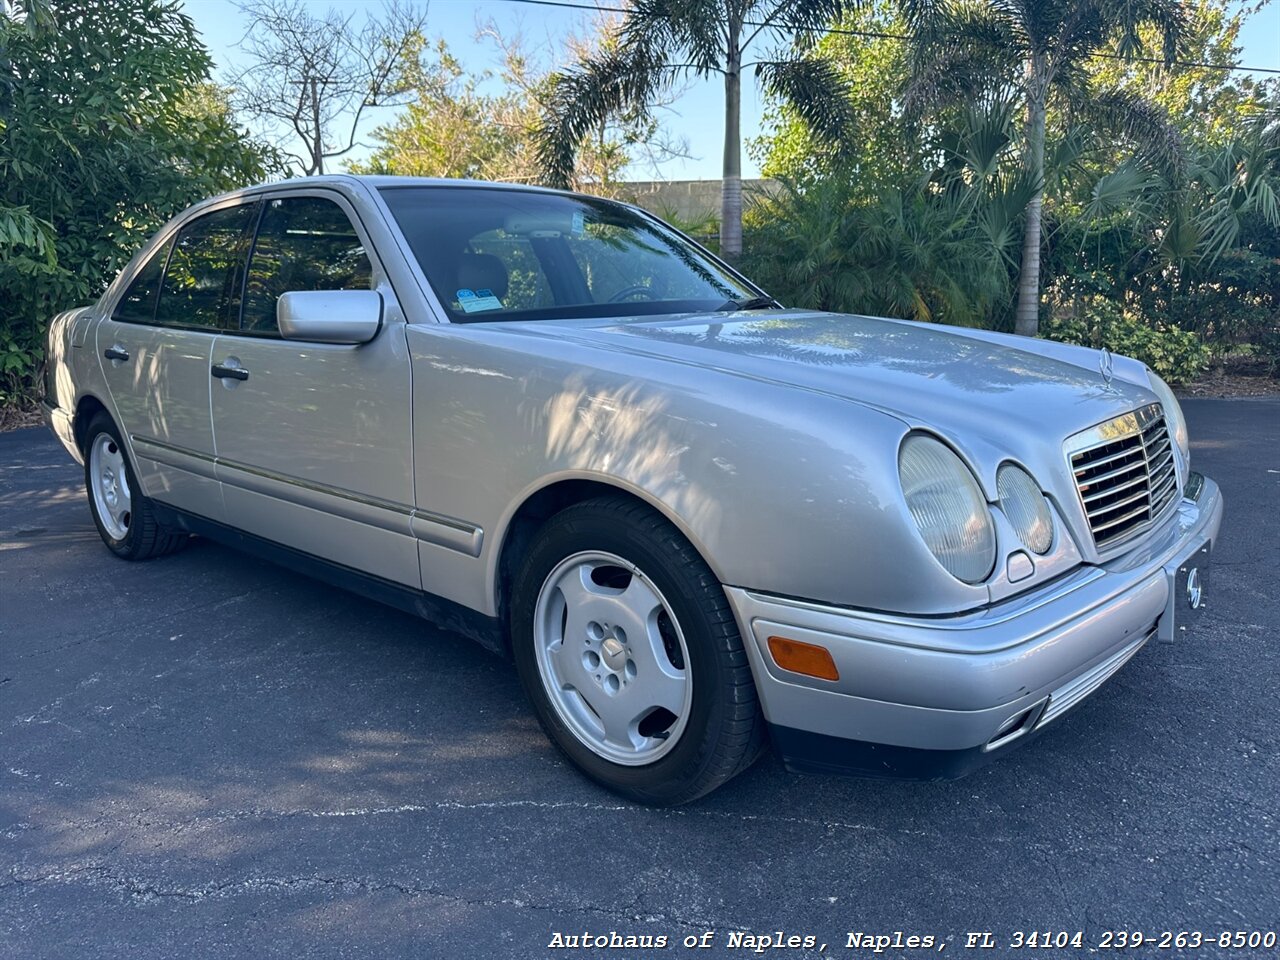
(311, 78)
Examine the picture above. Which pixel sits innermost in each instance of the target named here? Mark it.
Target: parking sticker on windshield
(475, 301)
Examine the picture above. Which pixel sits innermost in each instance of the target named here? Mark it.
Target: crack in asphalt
(142, 890)
(268, 814)
(154, 620)
(195, 823)
(1056, 870)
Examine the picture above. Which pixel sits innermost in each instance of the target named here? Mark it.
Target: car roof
(374, 181)
(377, 181)
(385, 180)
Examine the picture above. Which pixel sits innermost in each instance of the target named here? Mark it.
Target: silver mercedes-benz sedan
(697, 521)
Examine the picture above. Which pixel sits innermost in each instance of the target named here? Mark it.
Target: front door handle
(224, 372)
(116, 352)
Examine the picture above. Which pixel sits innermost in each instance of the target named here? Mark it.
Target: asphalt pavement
(208, 756)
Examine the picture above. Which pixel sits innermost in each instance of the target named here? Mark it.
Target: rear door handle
(224, 372)
(116, 352)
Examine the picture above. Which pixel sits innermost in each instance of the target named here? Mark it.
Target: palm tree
(940, 247)
(1199, 217)
(660, 41)
(1039, 50)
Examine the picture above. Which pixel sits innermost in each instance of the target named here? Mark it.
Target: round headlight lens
(948, 506)
(1026, 508)
(1172, 415)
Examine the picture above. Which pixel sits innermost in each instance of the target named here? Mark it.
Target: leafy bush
(1232, 303)
(938, 250)
(705, 229)
(1176, 355)
(108, 126)
(19, 363)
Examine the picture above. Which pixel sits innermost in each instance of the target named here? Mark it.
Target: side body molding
(434, 528)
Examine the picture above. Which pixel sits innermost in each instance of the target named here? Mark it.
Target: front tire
(125, 518)
(631, 655)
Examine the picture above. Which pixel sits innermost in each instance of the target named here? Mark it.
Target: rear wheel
(125, 518)
(631, 655)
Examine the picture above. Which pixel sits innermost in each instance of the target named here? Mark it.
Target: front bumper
(934, 697)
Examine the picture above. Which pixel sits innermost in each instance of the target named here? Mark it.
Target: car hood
(966, 383)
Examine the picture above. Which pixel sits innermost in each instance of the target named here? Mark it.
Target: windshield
(503, 254)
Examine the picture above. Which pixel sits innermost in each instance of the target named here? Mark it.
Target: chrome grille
(1125, 473)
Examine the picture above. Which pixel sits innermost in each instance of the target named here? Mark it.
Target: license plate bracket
(1188, 592)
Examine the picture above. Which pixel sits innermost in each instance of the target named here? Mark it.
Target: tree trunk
(731, 178)
(317, 158)
(1028, 316)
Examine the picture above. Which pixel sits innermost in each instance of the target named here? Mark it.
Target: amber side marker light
(806, 658)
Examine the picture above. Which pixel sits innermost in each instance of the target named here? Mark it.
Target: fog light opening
(1015, 726)
(808, 659)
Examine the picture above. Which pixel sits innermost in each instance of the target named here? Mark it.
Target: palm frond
(1126, 18)
(1127, 189)
(961, 54)
(804, 21)
(924, 16)
(1064, 155)
(1142, 122)
(624, 78)
(1243, 183)
(985, 134)
(1001, 211)
(814, 90)
(1264, 126)
(690, 31)
(1184, 235)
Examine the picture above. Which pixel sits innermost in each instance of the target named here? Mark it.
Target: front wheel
(125, 518)
(631, 655)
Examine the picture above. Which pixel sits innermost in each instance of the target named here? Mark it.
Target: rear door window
(138, 304)
(202, 281)
(303, 243)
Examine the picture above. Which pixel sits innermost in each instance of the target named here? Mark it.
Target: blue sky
(697, 117)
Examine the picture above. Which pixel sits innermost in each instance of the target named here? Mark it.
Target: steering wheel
(635, 290)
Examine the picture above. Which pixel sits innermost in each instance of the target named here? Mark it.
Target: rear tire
(125, 519)
(631, 655)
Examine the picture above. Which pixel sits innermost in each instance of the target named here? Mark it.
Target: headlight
(1026, 508)
(948, 507)
(1172, 416)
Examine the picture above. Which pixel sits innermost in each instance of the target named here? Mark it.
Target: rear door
(314, 441)
(155, 352)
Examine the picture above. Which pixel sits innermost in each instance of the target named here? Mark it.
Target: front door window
(303, 243)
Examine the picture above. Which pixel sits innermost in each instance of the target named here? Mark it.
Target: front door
(155, 351)
(314, 441)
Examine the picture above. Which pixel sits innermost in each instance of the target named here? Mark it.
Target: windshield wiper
(751, 303)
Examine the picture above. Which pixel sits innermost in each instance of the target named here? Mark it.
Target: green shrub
(918, 252)
(19, 364)
(705, 228)
(108, 126)
(1176, 355)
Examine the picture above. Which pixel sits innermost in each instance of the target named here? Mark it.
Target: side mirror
(329, 316)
